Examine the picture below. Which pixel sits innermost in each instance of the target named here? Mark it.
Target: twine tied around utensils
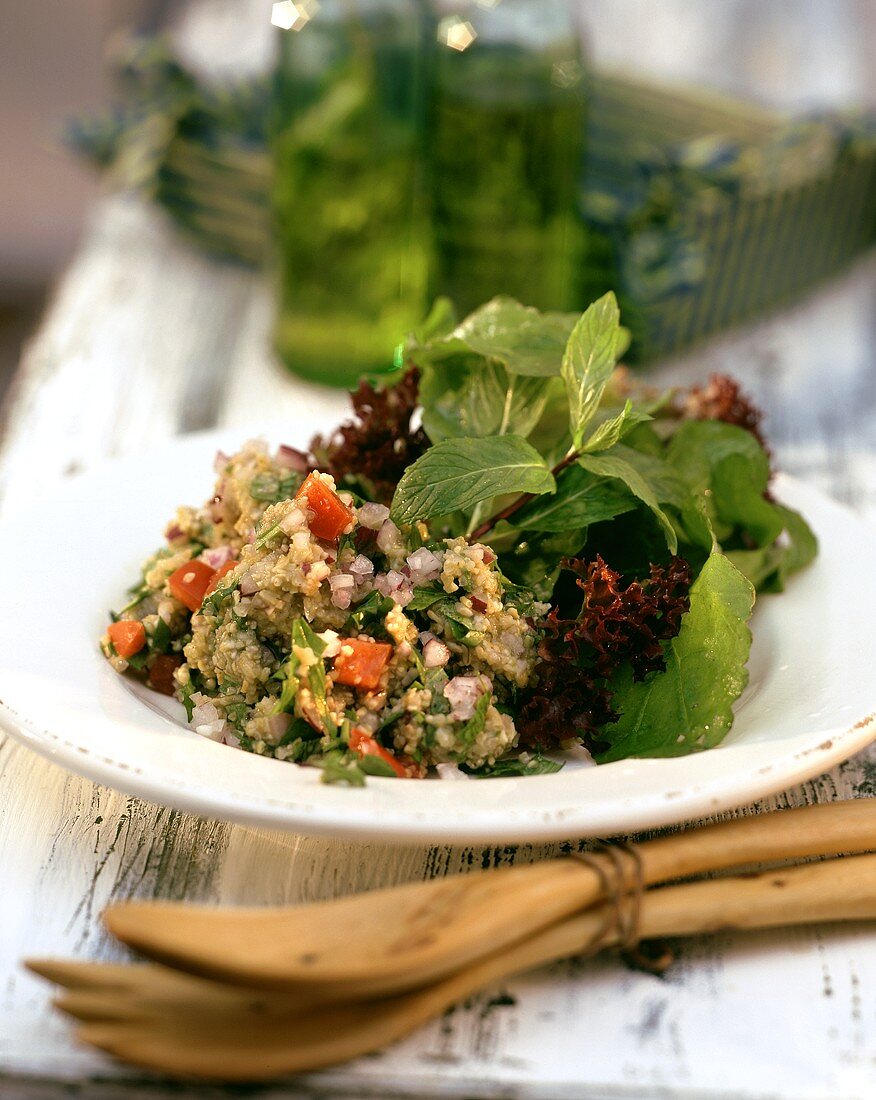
(622, 879)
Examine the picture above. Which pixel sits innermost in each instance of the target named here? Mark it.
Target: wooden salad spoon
(188, 1026)
(386, 941)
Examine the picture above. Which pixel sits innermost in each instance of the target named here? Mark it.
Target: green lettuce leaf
(456, 474)
(689, 707)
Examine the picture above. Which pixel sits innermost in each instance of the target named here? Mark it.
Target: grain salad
(514, 549)
(294, 627)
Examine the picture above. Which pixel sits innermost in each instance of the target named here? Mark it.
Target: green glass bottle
(350, 200)
(506, 126)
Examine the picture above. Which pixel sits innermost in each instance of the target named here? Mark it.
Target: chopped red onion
(373, 516)
(278, 724)
(218, 556)
(403, 595)
(450, 771)
(463, 692)
(424, 565)
(388, 537)
(435, 654)
(248, 586)
(173, 532)
(426, 636)
(342, 586)
(207, 721)
(231, 738)
(220, 462)
(362, 567)
(291, 459)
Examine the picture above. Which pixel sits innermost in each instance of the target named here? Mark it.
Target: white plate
(72, 556)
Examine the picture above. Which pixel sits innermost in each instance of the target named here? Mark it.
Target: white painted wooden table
(146, 339)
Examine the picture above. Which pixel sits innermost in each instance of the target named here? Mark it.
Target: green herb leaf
(522, 339)
(689, 706)
(161, 637)
(271, 488)
(588, 361)
(581, 498)
(376, 765)
(424, 597)
(647, 477)
(474, 727)
(614, 429)
(186, 692)
(457, 474)
(339, 767)
(533, 764)
(217, 597)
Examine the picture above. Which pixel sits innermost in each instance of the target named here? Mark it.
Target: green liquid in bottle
(351, 223)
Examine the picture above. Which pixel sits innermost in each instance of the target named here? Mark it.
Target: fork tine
(73, 974)
(93, 1006)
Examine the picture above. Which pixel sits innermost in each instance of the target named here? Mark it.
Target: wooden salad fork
(420, 932)
(177, 1024)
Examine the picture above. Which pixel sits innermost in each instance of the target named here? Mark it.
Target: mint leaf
(647, 477)
(457, 474)
(689, 707)
(522, 339)
(613, 430)
(581, 498)
(589, 359)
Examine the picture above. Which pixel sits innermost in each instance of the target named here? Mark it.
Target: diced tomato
(365, 745)
(160, 676)
(360, 663)
(127, 637)
(190, 582)
(330, 517)
(218, 575)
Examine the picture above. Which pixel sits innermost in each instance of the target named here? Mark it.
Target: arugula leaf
(589, 359)
(581, 498)
(456, 474)
(689, 707)
(534, 764)
(522, 339)
(647, 477)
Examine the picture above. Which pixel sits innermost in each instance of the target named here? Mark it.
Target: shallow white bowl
(73, 554)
